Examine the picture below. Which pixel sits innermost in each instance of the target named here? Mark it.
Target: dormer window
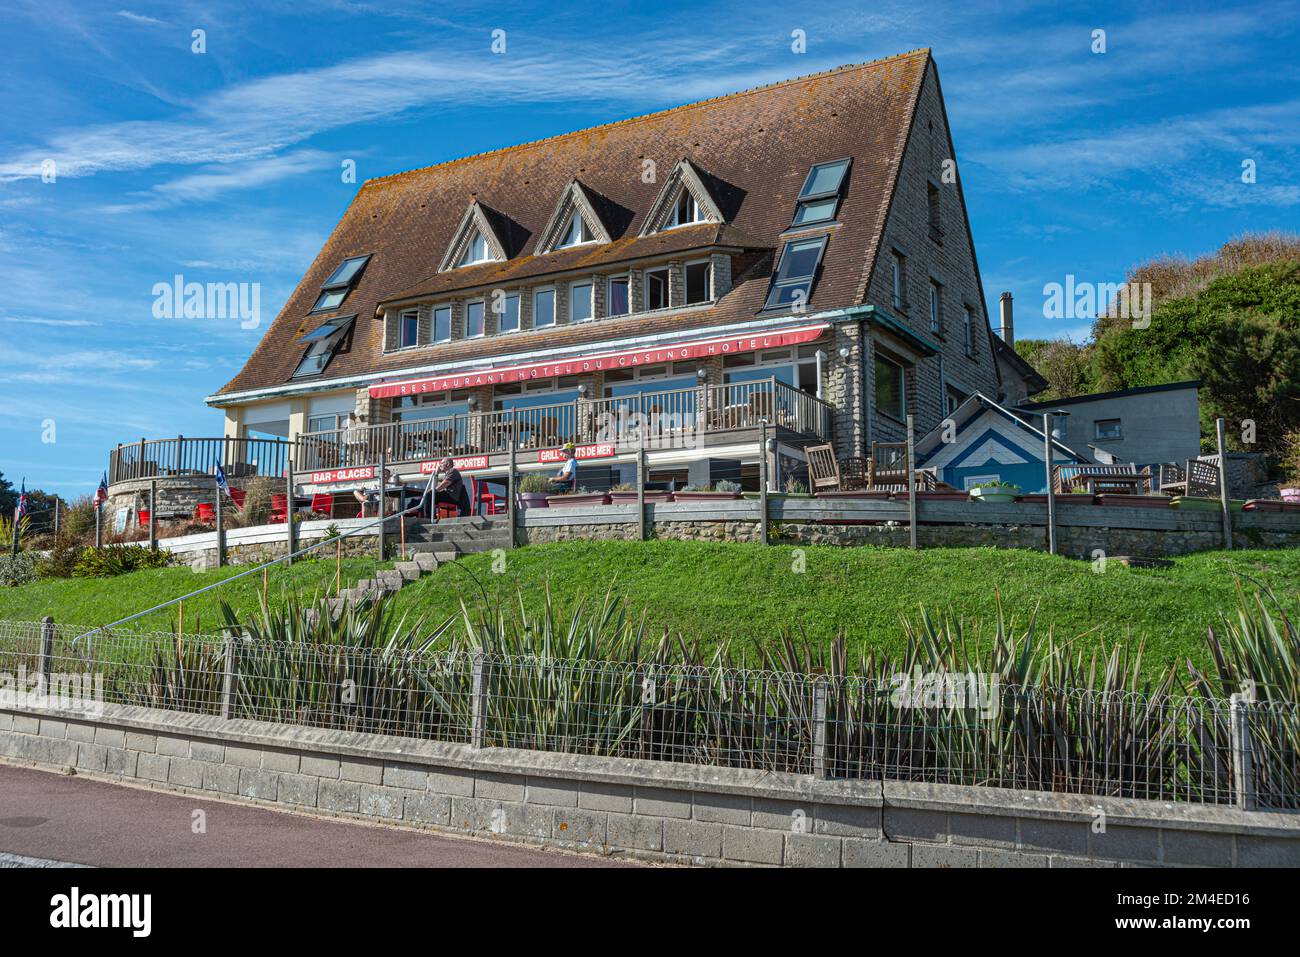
(341, 281)
(685, 211)
(577, 232)
(476, 251)
(792, 284)
(820, 197)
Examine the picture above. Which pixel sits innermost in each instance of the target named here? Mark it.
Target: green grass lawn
(716, 592)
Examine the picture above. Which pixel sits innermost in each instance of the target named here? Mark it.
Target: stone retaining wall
(653, 810)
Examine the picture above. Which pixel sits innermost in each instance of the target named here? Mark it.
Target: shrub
(17, 569)
(726, 486)
(257, 502)
(534, 482)
(118, 560)
(60, 560)
(1291, 457)
(78, 522)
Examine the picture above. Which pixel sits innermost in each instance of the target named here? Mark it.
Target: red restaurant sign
(602, 451)
(467, 464)
(653, 355)
(343, 475)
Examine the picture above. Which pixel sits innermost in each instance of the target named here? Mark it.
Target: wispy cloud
(139, 18)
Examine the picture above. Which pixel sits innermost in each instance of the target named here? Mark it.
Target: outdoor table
(1124, 483)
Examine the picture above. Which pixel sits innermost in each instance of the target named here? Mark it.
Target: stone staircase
(428, 545)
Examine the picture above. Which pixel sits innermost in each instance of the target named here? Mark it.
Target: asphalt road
(48, 817)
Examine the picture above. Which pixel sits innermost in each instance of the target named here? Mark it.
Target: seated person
(450, 490)
(567, 478)
(370, 496)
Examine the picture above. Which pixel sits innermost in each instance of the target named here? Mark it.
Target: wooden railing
(160, 458)
(671, 418)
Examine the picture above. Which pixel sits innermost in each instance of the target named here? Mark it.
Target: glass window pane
(889, 387)
(784, 293)
(544, 308)
(473, 319)
(814, 211)
(330, 300)
(825, 178)
(347, 271)
(656, 289)
(800, 258)
(618, 299)
(697, 282)
(580, 302)
(510, 314)
(410, 328)
(442, 324)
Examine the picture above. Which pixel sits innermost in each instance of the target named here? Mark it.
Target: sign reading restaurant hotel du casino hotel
(653, 355)
(330, 476)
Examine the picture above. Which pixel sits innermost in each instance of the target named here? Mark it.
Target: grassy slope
(745, 592)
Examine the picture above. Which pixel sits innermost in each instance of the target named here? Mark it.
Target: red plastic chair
(237, 496)
(279, 509)
(447, 510)
(485, 503)
(142, 517)
(205, 513)
(322, 503)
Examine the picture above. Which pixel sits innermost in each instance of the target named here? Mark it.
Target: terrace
(685, 418)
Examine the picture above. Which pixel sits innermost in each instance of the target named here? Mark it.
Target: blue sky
(225, 166)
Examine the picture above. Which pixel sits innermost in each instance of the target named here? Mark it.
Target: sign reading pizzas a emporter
(467, 463)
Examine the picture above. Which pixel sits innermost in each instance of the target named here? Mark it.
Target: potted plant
(708, 493)
(997, 492)
(625, 494)
(581, 496)
(533, 490)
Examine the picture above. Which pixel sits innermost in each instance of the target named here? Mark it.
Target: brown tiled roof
(754, 149)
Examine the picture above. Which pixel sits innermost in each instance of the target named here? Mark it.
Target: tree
(8, 497)
(1250, 368)
(1064, 364)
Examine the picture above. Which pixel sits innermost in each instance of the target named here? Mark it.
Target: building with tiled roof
(795, 258)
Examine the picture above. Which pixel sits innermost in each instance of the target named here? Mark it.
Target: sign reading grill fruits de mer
(652, 355)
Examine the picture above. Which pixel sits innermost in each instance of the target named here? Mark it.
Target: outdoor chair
(279, 509)
(237, 495)
(826, 473)
(142, 517)
(205, 513)
(887, 465)
(322, 504)
(1196, 477)
(1120, 479)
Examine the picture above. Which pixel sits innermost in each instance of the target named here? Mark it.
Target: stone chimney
(1006, 328)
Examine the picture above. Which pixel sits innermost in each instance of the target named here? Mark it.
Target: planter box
(953, 496)
(629, 498)
(1068, 498)
(1290, 494)
(705, 496)
(529, 500)
(1271, 505)
(1133, 501)
(867, 494)
(585, 498)
(1203, 504)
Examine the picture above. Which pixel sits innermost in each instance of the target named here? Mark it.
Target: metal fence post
(153, 514)
(640, 489)
(228, 680)
(478, 703)
(288, 511)
(1243, 771)
(911, 482)
(819, 727)
(383, 524)
(762, 481)
(1051, 483)
(47, 655)
(1220, 428)
(221, 526)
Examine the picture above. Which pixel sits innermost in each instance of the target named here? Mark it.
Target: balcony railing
(677, 418)
(162, 458)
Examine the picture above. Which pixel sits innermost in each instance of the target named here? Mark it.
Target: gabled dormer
(684, 200)
(575, 222)
(475, 241)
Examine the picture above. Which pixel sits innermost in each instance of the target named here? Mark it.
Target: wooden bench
(1098, 479)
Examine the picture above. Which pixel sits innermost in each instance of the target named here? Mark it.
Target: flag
(101, 493)
(222, 485)
(22, 500)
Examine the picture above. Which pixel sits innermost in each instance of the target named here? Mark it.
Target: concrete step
(410, 571)
(391, 579)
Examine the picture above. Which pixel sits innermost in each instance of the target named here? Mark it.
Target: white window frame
(433, 322)
(899, 276)
(519, 315)
(591, 300)
(708, 281)
(1096, 430)
(554, 318)
(609, 282)
(568, 227)
(325, 415)
(936, 307)
(668, 287)
(401, 318)
(675, 221)
(487, 256)
(902, 390)
(476, 302)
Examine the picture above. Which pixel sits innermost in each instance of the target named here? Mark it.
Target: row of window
(697, 279)
(898, 280)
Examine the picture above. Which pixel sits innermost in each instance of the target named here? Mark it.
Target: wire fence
(964, 730)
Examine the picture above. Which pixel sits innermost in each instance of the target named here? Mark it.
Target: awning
(653, 355)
